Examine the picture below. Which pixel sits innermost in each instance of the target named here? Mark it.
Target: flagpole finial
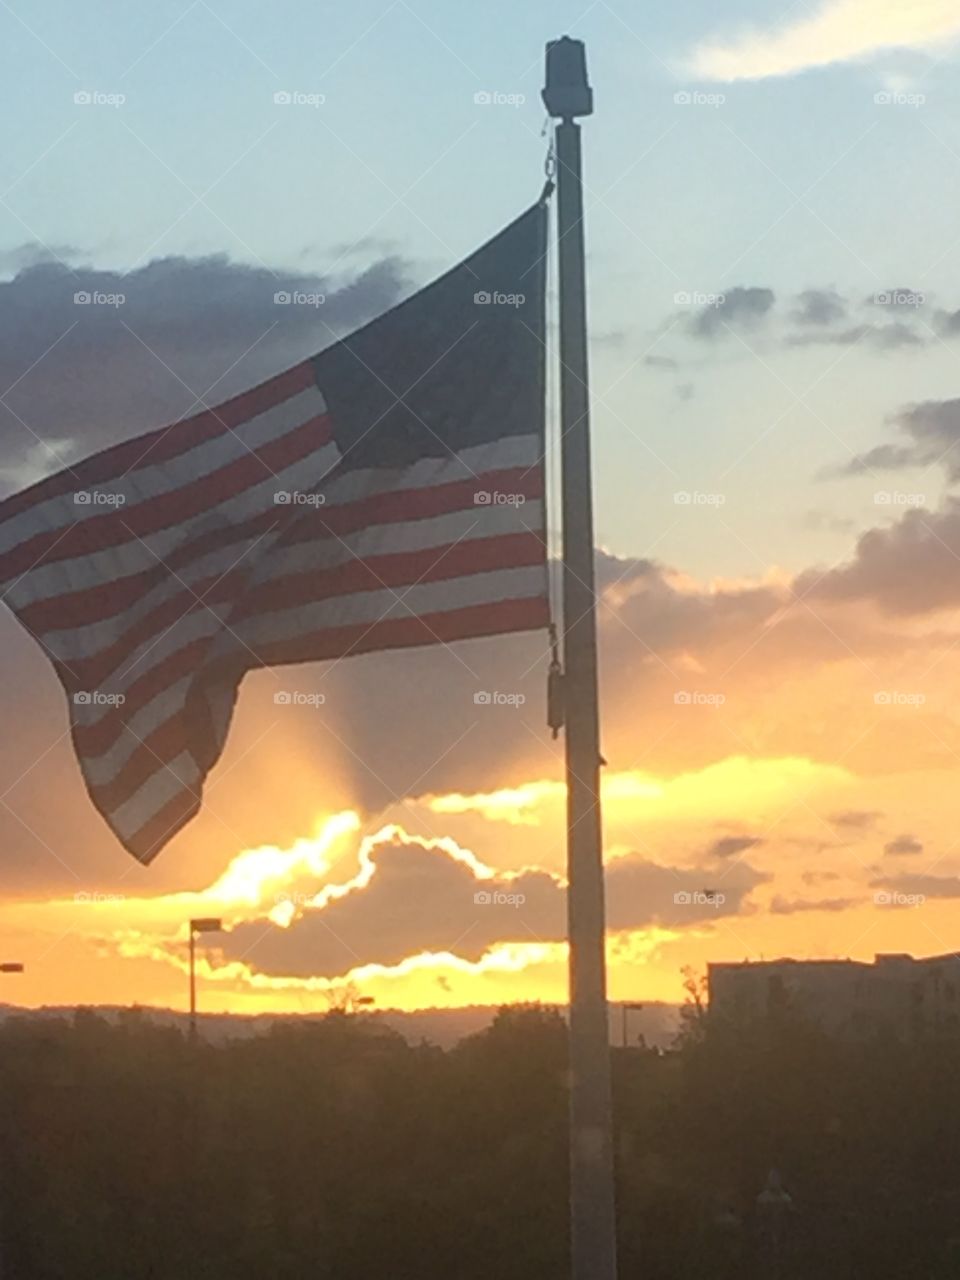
(566, 93)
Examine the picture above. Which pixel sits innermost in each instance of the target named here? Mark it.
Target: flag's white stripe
(362, 608)
(155, 794)
(469, 525)
(151, 481)
(99, 770)
(134, 557)
(495, 455)
(139, 554)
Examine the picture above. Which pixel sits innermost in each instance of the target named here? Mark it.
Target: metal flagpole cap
(567, 93)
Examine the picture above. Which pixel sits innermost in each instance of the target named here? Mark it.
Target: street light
(206, 924)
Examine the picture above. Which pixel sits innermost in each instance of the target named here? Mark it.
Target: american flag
(388, 492)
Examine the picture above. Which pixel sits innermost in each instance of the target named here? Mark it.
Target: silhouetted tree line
(335, 1149)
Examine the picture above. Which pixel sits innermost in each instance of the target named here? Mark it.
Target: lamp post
(206, 924)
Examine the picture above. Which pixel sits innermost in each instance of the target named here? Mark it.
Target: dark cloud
(819, 877)
(883, 337)
(911, 567)
(728, 846)
(933, 430)
(820, 313)
(890, 337)
(788, 907)
(738, 309)
(948, 323)
(855, 819)
(819, 307)
(80, 376)
(32, 254)
(424, 899)
(904, 844)
(920, 886)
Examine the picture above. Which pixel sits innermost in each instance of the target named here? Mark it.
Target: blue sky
(791, 182)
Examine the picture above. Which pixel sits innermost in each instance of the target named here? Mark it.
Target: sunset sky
(774, 258)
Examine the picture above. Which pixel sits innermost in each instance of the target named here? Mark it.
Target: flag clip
(555, 687)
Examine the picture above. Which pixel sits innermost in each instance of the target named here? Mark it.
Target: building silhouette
(911, 998)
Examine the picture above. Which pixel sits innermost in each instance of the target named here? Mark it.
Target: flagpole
(592, 1209)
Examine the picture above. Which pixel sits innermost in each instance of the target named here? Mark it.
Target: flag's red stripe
(148, 757)
(399, 505)
(96, 604)
(406, 569)
(100, 533)
(94, 672)
(529, 614)
(391, 570)
(398, 570)
(470, 622)
(71, 609)
(172, 737)
(167, 741)
(96, 738)
(165, 442)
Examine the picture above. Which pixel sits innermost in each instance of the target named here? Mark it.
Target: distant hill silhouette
(658, 1022)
